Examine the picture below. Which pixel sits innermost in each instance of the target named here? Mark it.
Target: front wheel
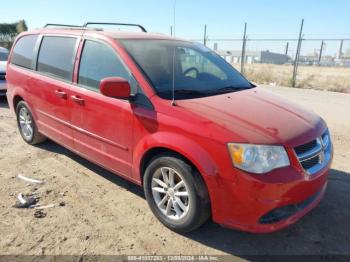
(27, 126)
(176, 193)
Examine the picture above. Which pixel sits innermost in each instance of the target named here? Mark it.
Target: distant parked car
(3, 60)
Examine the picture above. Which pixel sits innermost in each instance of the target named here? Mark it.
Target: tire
(195, 207)
(26, 125)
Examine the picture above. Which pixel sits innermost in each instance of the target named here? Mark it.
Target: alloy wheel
(170, 193)
(26, 123)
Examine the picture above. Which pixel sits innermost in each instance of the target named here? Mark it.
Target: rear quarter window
(23, 52)
(56, 56)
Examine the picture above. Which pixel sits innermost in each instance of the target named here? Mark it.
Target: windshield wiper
(184, 91)
(231, 88)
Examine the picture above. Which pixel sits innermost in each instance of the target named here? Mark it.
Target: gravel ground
(104, 214)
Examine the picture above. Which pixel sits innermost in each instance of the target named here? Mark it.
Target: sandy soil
(104, 214)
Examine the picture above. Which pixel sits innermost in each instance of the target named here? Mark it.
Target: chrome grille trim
(312, 152)
(320, 153)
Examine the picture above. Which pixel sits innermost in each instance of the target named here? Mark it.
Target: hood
(3, 66)
(258, 116)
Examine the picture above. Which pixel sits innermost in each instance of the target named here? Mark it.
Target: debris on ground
(39, 214)
(27, 201)
(44, 207)
(30, 180)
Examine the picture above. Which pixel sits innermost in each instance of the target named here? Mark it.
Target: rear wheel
(176, 193)
(27, 126)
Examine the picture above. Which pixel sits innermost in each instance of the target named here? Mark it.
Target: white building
(265, 57)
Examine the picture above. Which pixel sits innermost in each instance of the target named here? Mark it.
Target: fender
(14, 90)
(178, 143)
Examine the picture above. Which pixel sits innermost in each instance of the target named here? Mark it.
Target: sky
(224, 18)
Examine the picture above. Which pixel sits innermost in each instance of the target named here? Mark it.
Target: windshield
(3, 56)
(198, 71)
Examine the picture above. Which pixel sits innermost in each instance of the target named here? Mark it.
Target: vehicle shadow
(324, 231)
(56, 148)
(3, 102)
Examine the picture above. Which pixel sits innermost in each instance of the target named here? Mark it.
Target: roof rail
(60, 25)
(86, 26)
(72, 27)
(122, 24)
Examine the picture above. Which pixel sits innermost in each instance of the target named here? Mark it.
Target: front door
(102, 125)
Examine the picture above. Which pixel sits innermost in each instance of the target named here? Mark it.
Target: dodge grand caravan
(174, 117)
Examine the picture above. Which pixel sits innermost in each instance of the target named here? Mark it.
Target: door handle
(61, 94)
(78, 100)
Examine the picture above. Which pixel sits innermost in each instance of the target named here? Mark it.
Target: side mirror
(115, 87)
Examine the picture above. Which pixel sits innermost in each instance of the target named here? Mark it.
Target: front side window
(23, 52)
(99, 61)
(56, 56)
(192, 69)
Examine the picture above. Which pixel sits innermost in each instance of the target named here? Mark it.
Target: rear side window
(56, 56)
(99, 61)
(23, 52)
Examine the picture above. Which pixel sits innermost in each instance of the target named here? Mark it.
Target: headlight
(258, 159)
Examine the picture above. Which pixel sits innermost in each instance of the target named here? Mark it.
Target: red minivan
(174, 117)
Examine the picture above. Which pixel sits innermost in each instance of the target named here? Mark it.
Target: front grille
(310, 162)
(303, 148)
(2, 76)
(315, 155)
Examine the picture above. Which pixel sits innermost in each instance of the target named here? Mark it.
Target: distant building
(308, 60)
(345, 62)
(264, 57)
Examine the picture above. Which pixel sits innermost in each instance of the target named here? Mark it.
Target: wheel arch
(16, 99)
(157, 151)
(186, 149)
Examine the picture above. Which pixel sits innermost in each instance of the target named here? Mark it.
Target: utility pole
(297, 55)
(243, 48)
(321, 51)
(287, 47)
(174, 18)
(171, 30)
(205, 35)
(340, 54)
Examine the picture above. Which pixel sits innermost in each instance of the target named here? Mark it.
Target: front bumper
(280, 223)
(263, 204)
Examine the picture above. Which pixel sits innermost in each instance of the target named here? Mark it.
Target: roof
(136, 35)
(116, 34)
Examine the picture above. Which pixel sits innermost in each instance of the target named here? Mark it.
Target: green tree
(9, 31)
(21, 26)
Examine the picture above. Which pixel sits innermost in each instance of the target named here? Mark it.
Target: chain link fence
(318, 63)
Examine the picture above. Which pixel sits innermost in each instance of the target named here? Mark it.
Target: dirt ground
(104, 214)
